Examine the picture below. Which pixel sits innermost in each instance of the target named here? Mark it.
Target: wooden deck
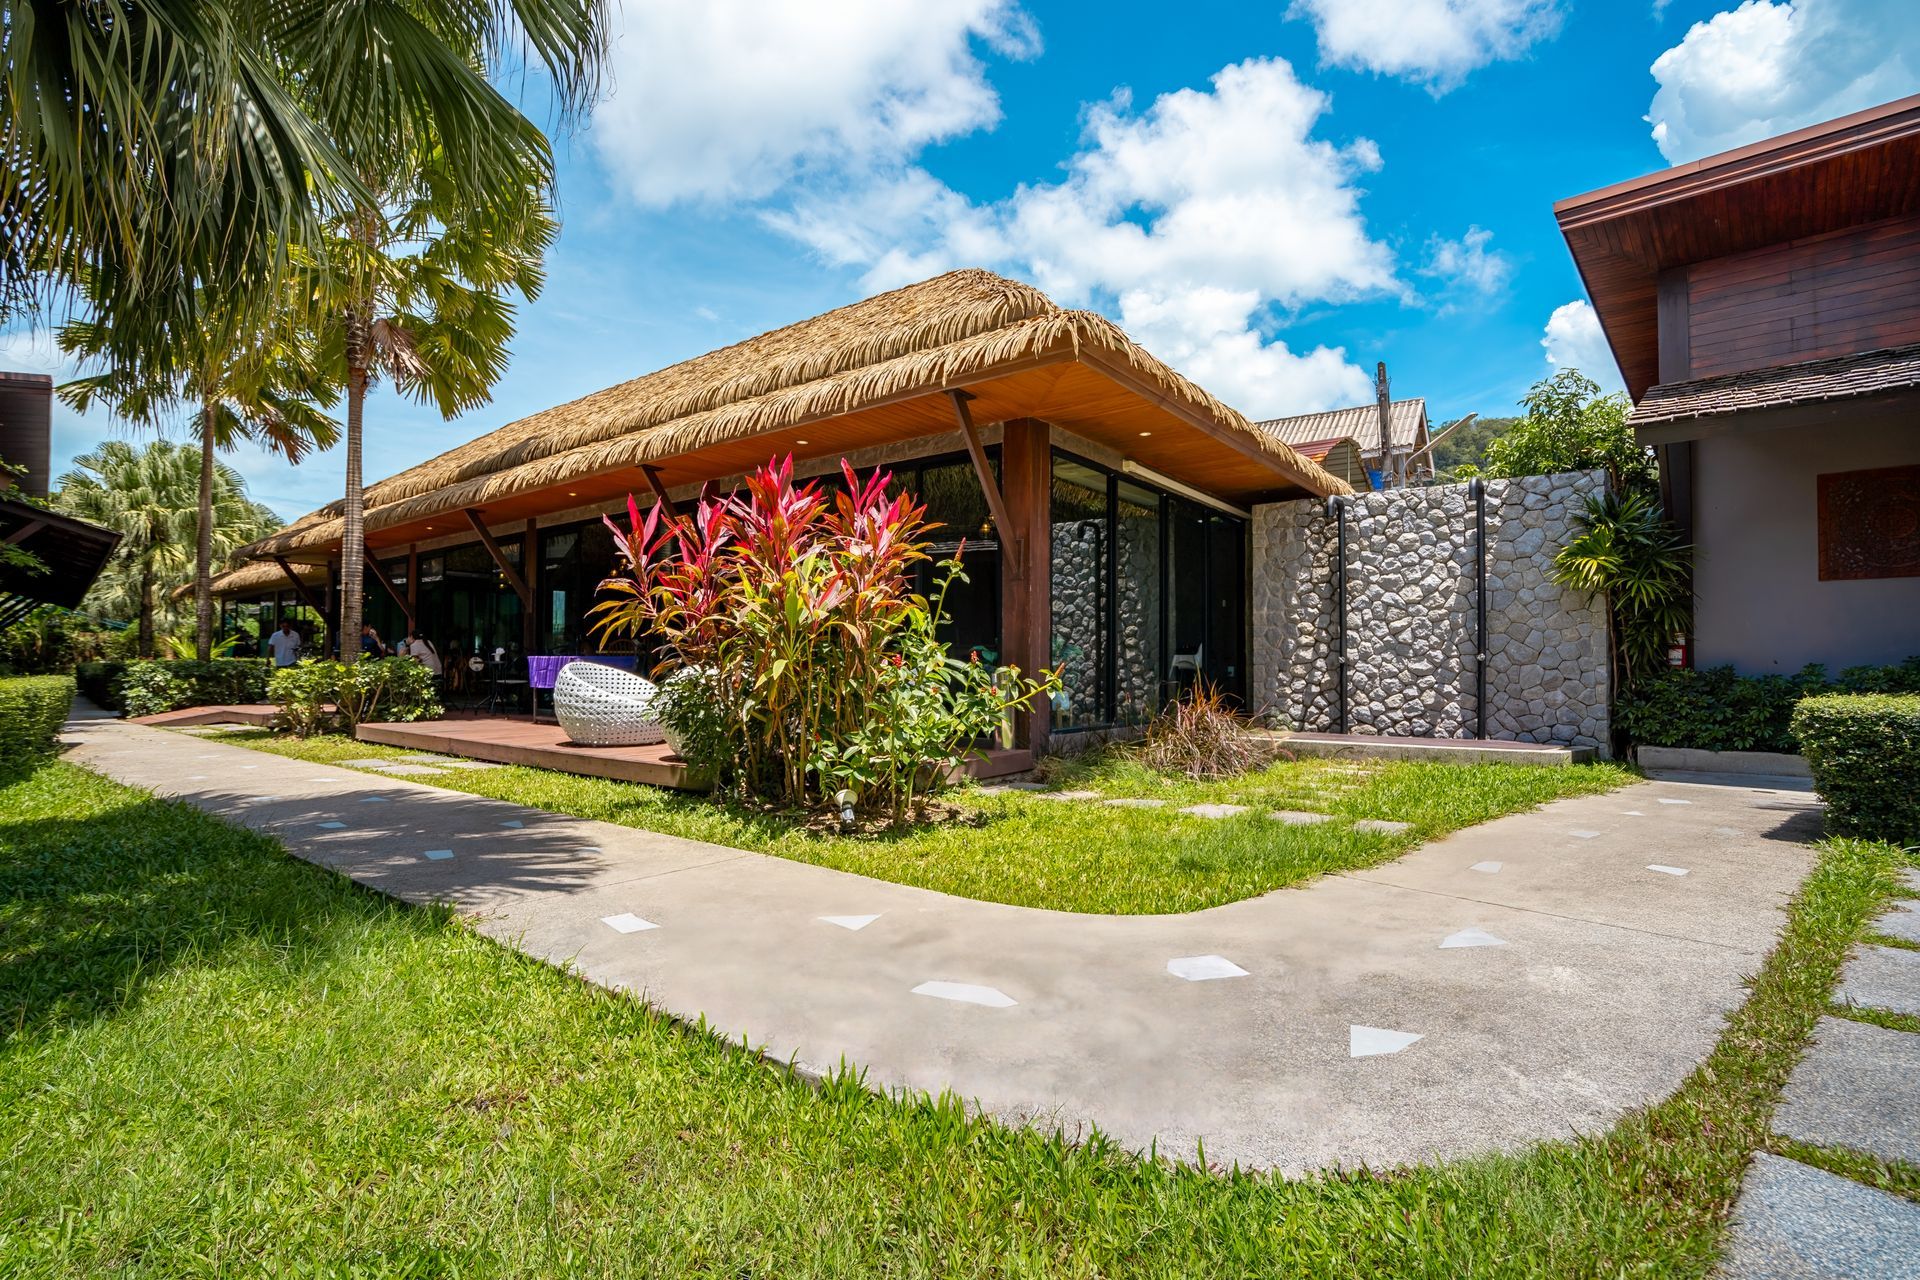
(257, 714)
(545, 746)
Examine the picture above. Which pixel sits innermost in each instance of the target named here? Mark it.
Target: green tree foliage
(1569, 426)
(232, 380)
(151, 497)
(1626, 550)
(417, 288)
(1463, 454)
(174, 146)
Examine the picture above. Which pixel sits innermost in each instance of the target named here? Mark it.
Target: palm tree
(150, 497)
(171, 146)
(237, 382)
(417, 289)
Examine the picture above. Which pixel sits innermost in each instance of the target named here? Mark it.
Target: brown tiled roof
(1842, 377)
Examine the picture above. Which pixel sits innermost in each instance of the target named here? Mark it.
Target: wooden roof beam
(507, 571)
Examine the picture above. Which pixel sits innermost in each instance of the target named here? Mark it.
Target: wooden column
(1026, 570)
(413, 581)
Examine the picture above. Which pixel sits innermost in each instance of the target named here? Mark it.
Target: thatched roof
(1362, 422)
(912, 342)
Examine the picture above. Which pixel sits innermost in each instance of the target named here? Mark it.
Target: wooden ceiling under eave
(1857, 169)
(1091, 402)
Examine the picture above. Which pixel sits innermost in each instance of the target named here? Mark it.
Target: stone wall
(1410, 615)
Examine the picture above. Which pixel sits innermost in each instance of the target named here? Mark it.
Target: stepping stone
(1795, 1220)
(437, 855)
(370, 762)
(1882, 978)
(1583, 835)
(470, 764)
(331, 826)
(966, 993)
(1299, 817)
(1903, 922)
(1130, 803)
(1371, 1042)
(1665, 870)
(1204, 968)
(854, 923)
(1001, 788)
(409, 769)
(1471, 938)
(1067, 795)
(627, 922)
(1382, 826)
(1910, 876)
(1859, 1087)
(1489, 868)
(1215, 810)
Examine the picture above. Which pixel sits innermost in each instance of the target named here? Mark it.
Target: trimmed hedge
(32, 709)
(1717, 709)
(1864, 750)
(320, 694)
(148, 687)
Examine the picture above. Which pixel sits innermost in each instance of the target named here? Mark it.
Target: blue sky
(1269, 196)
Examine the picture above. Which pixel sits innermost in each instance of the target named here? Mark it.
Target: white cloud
(731, 99)
(1574, 341)
(1767, 68)
(28, 350)
(1431, 42)
(1468, 263)
(1199, 220)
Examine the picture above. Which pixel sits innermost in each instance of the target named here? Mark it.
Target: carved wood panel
(1870, 524)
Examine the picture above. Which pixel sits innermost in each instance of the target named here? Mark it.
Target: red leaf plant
(787, 622)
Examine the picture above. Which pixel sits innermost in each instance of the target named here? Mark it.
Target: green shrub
(100, 683)
(150, 687)
(1864, 749)
(32, 709)
(1717, 709)
(322, 694)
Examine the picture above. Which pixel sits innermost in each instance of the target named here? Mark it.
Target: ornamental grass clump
(1202, 736)
(795, 607)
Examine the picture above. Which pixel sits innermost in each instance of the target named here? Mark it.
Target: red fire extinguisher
(1678, 652)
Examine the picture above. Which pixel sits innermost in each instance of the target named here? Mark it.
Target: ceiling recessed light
(1146, 433)
(572, 494)
(801, 442)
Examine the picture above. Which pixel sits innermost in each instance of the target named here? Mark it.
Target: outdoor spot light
(845, 800)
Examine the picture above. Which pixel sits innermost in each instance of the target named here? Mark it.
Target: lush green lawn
(216, 1060)
(1071, 856)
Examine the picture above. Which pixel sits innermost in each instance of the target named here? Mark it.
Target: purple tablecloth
(543, 669)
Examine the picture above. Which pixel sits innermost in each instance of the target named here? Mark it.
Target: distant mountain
(1469, 444)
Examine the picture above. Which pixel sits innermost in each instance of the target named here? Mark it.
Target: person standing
(284, 645)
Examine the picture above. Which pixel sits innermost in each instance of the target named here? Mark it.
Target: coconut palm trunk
(203, 544)
(353, 530)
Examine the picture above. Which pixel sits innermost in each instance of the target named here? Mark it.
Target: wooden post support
(413, 580)
(1026, 607)
(299, 587)
(507, 571)
(1012, 537)
(660, 491)
(380, 576)
(530, 557)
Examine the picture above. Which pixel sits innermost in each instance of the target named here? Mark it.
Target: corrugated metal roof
(1362, 422)
(1842, 377)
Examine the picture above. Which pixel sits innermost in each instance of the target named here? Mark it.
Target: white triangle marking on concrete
(855, 923)
(1491, 868)
(1369, 1042)
(1633, 813)
(437, 855)
(1472, 938)
(1583, 835)
(1666, 870)
(627, 922)
(966, 993)
(1664, 800)
(1204, 968)
(515, 823)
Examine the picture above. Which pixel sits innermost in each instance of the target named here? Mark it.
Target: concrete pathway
(1526, 979)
